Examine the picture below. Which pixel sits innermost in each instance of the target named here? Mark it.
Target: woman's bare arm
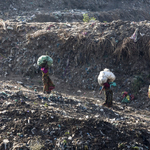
(101, 90)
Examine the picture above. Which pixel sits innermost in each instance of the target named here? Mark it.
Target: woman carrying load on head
(108, 93)
(47, 82)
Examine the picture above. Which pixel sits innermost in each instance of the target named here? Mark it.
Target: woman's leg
(51, 86)
(45, 83)
(106, 97)
(109, 98)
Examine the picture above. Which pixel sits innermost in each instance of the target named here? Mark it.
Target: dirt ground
(68, 119)
(72, 117)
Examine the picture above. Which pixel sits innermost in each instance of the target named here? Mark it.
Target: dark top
(106, 85)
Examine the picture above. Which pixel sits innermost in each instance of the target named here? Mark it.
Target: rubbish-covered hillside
(83, 38)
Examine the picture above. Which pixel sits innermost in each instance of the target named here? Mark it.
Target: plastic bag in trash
(135, 35)
(125, 100)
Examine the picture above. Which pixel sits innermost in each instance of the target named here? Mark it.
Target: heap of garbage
(79, 50)
(60, 121)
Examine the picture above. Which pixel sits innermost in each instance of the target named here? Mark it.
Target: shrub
(136, 84)
(86, 18)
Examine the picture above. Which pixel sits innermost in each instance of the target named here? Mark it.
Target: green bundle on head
(43, 60)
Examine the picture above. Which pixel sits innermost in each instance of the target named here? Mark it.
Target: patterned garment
(108, 97)
(47, 82)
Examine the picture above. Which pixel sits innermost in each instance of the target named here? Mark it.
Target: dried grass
(86, 47)
(126, 50)
(144, 45)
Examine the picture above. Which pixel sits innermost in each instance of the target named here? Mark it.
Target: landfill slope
(72, 10)
(64, 121)
(79, 51)
(72, 116)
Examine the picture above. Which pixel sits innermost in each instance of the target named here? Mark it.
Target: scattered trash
(135, 35)
(10, 28)
(74, 46)
(79, 91)
(149, 91)
(5, 141)
(127, 97)
(49, 27)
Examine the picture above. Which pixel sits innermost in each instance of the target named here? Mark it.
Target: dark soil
(72, 116)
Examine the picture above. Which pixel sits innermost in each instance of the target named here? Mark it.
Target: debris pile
(59, 121)
(81, 44)
(79, 50)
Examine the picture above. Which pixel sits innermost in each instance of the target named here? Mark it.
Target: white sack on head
(106, 69)
(105, 75)
(101, 80)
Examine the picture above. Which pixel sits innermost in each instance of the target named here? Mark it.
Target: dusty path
(72, 116)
